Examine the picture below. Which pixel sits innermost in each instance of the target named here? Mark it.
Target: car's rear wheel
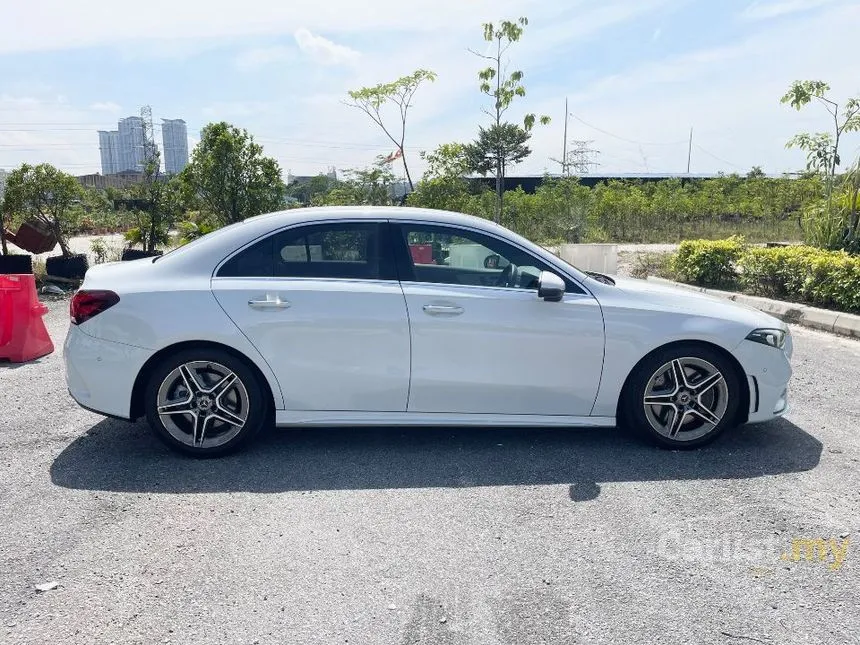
(684, 396)
(204, 402)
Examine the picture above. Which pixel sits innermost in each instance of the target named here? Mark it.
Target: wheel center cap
(684, 398)
(204, 402)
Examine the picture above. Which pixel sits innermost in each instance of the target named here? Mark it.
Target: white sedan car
(398, 316)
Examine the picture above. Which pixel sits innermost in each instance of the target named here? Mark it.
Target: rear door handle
(268, 303)
(443, 310)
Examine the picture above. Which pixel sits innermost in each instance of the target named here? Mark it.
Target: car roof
(376, 212)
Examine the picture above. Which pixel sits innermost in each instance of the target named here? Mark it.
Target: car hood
(653, 295)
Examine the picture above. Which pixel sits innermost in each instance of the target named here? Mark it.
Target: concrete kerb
(791, 312)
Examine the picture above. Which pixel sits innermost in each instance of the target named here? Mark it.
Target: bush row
(804, 274)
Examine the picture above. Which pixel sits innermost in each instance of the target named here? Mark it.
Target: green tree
(443, 185)
(367, 187)
(822, 148)
(305, 192)
(44, 194)
(229, 176)
(160, 201)
(831, 223)
(399, 93)
(497, 147)
(502, 88)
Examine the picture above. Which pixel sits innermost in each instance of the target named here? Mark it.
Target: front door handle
(268, 303)
(443, 310)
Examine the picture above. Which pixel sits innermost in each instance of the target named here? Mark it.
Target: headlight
(772, 337)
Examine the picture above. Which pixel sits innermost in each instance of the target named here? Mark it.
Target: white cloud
(656, 35)
(324, 51)
(105, 106)
(45, 25)
(764, 10)
(34, 131)
(262, 56)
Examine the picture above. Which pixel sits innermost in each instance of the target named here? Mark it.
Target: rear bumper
(100, 374)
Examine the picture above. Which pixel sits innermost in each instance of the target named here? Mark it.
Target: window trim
(388, 270)
(404, 261)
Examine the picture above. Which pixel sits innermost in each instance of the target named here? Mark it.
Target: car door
(321, 304)
(483, 342)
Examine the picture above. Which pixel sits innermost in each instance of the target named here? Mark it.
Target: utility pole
(690, 151)
(564, 150)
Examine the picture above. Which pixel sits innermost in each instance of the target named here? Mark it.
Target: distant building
(125, 148)
(131, 144)
(3, 177)
(122, 179)
(174, 136)
(109, 151)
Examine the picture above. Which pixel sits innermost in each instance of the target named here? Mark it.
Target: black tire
(634, 414)
(256, 405)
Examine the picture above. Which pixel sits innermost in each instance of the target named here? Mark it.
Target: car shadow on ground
(118, 456)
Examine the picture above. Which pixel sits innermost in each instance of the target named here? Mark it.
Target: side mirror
(550, 287)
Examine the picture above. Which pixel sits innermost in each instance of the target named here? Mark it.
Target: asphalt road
(430, 536)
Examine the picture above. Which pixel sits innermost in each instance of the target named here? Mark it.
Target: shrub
(804, 274)
(709, 263)
(657, 264)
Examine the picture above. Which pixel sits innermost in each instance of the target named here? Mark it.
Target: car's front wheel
(204, 402)
(683, 396)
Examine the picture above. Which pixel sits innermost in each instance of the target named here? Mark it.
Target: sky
(638, 75)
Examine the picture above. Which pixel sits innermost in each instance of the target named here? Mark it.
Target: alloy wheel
(686, 398)
(203, 404)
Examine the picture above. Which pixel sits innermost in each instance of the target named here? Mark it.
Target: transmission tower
(150, 148)
(581, 158)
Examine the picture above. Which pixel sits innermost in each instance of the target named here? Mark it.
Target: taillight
(86, 304)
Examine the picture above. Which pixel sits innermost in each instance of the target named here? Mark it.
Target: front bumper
(768, 371)
(100, 374)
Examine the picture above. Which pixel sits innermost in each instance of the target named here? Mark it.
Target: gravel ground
(429, 536)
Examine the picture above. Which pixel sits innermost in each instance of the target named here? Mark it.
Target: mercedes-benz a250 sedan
(399, 316)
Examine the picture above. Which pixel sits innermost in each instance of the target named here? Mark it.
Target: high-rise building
(123, 148)
(131, 144)
(109, 150)
(174, 136)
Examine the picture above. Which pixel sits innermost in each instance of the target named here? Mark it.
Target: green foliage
(399, 93)
(195, 225)
(497, 147)
(656, 264)
(305, 192)
(835, 224)
(492, 81)
(99, 250)
(47, 195)
(709, 263)
(229, 177)
(803, 273)
(368, 187)
(105, 252)
(822, 148)
(503, 144)
(160, 202)
(563, 210)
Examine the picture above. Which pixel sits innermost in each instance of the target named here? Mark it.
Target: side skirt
(352, 418)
